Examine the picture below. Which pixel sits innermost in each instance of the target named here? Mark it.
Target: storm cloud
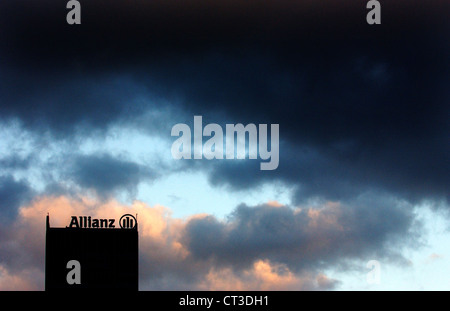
(358, 108)
(302, 238)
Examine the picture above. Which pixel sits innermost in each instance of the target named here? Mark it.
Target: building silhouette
(105, 256)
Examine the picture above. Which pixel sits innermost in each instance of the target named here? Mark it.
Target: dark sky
(363, 109)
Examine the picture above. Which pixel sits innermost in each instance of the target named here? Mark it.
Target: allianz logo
(127, 221)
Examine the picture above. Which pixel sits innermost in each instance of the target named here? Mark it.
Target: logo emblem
(127, 221)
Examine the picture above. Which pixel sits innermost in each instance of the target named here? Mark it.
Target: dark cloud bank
(304, 242)
(359, 107)
(298, 238)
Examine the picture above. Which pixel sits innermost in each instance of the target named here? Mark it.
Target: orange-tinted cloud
(267, 247)
(265, 276)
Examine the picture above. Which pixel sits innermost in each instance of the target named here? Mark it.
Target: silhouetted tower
(92, 254)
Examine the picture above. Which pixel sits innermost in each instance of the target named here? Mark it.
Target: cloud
(434, 257)
(354, 108)
(266, 247)
(106, 174)
(265, 276)
(302, 238)
(12, 194)
(14, 162)
(26, 280)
